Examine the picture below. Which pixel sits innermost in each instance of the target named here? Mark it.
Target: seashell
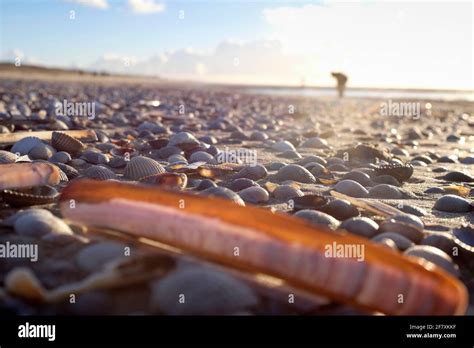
(442, 241)
(208, 139)
(201, 156)
(21, 175)
(361, 226)
(173, 180)
(253, 172)
(315, 143)
(340, 209)
(436, 256)
(464, 239)
(206, 292)
(409, 226)
(23, 197)
(402, 243)
(385, 191)
(23, 283)
(127, 152)
(358, 176)
(95, 256)
(318, 218)
(453, 204)
(64, 142)
(296, 173)
(286, 192)
(412, 209)
(99, 173)
(177, 159)
(434, 190)
(468, 160)
(457, 177)
(400, 172)
(364, 153)
(41, 151)
(7, 157)
(158, 143)
(282, 246)
(37, 223)
(351, 188)
(386, 179)
(205, 184)
(258, 136)
(312, 159)
(183, 140)
(241, 184)
(283, 146)
(61, 157)
(254, 194)
(140, 167)
(388, 243)
(10, 221)
(95, 157)
(311, 201)
(70, 172)
(290, 154)
(25, 145)
(225, 193)
(338, 168)
(448, 159)
(168, 151)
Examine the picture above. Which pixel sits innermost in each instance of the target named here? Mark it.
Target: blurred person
(341, 82)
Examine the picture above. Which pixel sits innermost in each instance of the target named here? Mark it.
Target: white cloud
(18, 56)
(102, 4)
(259, 62)
(146, 6)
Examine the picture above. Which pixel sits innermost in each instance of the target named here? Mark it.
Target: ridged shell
(70, 172)
(140, 167)
(99, 173)
(25, 145)
(31, 196)
(399, 172)
(7, 157)
(205, 292)
(64, 142)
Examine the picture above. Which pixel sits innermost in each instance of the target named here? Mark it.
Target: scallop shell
(7, 157)
(70, 172)
(30, 196)
(400, 172)
(99, 173)
(140, 167)
(64, 142)
(25, 145)
(201, 291)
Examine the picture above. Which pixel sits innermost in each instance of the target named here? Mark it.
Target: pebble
(436, 256)
(361, 226)
(296, 173)
(318, 218)
(351, 188)
(385, 191)
(453, 204)
(254, 194)
(93, 257)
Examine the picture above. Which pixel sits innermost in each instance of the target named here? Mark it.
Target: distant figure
(341, 82)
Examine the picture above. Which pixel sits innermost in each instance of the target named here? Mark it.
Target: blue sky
(383, 44)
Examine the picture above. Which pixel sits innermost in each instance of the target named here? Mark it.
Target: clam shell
(318, 218)
(464, 239)
(30, 196)
(95, 157)
(361, 226)
(457, 177)
(254, 194)
(436, 256)
(340, 209)
(7, 157)
(241, 184)
(286, 192)
(183, 140)
(358, 176)
(351, 188)
(61, 157)
(409, 226)
(140, 167)
(25, 145)
(255, 172)
(99, 173)
(400, 241)
(201, 291)
(70, 172)
(64, 142)
(385, 191)
(296, 173)
(174, 180)
(35, 224)
(400, 172)
(225, 193)
(453, 204)
(41, 151)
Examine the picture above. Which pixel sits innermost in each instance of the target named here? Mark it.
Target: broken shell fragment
(275, 244)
